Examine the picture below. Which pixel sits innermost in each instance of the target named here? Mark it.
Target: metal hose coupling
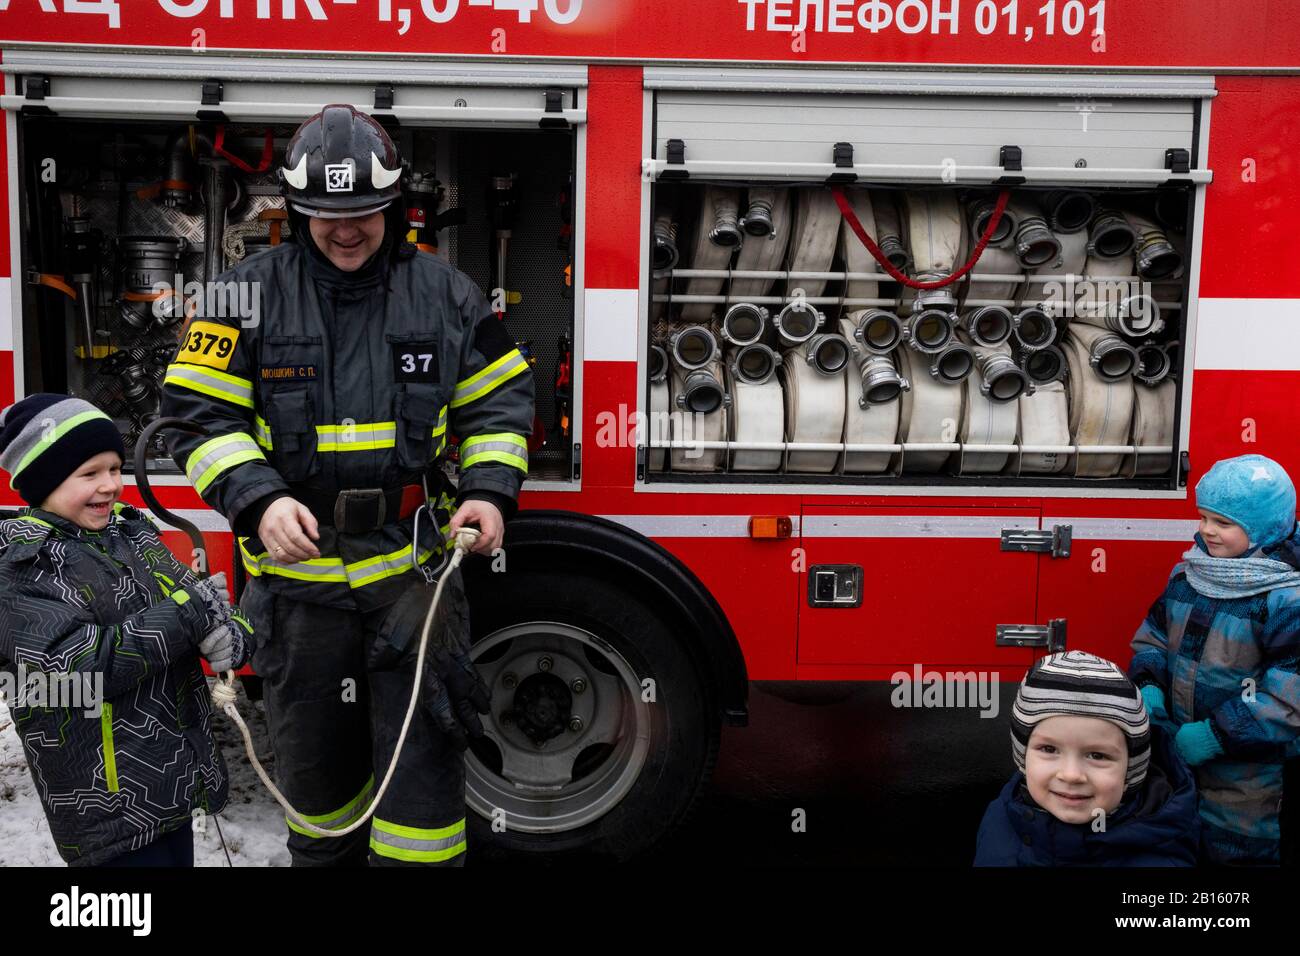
(664, 255)
(1157, 257)
(757, 220)
(1069, 210)
(978, 214)
(1041, 365)
(1112, 358)
(878, 331)
(692, 347)
(744, 323)
(754, 364)
(797, 323)
(828, 353)
(928, 331)
(1034, 328)
(1001, 379)
(1036, 245)
(1111, 236)
(726, 219)
(1171, 349)
(658, 365)
(1154, 363)
(702, 393)
(988, 325)
(953, 363)
(149, 261)
(881, 383)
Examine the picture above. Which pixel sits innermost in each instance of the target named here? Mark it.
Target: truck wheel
(602, 732)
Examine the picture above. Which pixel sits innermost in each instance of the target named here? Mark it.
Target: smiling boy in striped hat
(1097, 785)
(89, 591)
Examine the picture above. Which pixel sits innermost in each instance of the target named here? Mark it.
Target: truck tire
(628, 727)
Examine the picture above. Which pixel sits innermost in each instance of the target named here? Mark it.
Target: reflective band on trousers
(338, 819)
(414, 845)
(218, 455)
(332, 570)
(361, 436)
(206, 381)
(482, 382)
(505, 447)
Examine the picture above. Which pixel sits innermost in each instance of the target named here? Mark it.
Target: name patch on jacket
(415, 362)
(288, 373)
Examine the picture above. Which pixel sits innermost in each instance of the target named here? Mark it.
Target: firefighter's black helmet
(340, 163)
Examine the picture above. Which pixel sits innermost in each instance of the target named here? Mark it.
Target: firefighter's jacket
(116, 607)
(331, 380)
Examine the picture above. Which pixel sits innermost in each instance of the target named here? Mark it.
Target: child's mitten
(1196, 743)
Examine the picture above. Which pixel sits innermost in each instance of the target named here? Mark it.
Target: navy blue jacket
(1159, 826)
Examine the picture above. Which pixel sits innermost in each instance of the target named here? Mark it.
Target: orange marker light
(769, 526)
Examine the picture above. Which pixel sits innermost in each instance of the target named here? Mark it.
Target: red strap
(218, 146)
(846, 210)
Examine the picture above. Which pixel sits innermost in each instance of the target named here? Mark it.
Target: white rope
(224, 697)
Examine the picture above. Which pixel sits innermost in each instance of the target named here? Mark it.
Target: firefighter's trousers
(334, 726)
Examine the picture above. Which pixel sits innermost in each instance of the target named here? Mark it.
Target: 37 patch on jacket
(208, 343)
(415, 362)
(287, 373)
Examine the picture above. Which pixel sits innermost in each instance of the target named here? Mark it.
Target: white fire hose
(866, 422)
(224, 699)
(856, 256)
(891, 236)
(1101, 412)
(814, 410)
(930, 412)
(689, 424)
(717, 233)
(991, 414)
(1153, 424)
(757, 409)
(660, 405)
(1044, 420)
(765, 253)
(813, 240)
(1118, 301)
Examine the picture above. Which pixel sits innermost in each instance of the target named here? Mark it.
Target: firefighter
(327, 407)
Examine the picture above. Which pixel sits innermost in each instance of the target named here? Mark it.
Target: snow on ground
(252, 823)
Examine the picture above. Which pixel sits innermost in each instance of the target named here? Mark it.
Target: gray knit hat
(44, 438)
(1076, 684)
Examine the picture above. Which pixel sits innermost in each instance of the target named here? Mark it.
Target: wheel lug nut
(509, 680)
(575, 724)
(578, 685)
(544, 664)
(506, 719)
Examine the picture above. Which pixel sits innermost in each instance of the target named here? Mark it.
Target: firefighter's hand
(455, 695)
(489, 520)
(287, 529)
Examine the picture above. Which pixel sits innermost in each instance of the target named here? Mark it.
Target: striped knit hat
(45, 438)
(1075, 684)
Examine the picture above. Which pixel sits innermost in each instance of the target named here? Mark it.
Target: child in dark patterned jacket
(103, 628)
(1217, 656)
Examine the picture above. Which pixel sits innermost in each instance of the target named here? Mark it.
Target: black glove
(454, 694)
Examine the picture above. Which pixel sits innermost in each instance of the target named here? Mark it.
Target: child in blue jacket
(1216, 658)
(1097, 785)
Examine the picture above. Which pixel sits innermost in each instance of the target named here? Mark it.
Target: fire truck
(868, 335)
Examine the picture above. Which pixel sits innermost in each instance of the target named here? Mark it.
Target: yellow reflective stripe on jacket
(416, 845)
(332, 570)
(261, 432)
(110, 751)
(217, 456)
(480, 383)
(363, 436)
(207, 381)
(505, 447)
(340, 818)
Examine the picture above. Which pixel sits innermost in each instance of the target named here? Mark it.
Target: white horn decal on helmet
(380, 177)
(297, 178)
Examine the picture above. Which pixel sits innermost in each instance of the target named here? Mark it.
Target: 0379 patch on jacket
(133, 758)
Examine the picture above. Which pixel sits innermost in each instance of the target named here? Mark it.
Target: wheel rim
(575, 776)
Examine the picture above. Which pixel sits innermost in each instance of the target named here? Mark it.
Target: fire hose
(224, 696)
(867, 421)
(1101, 410)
